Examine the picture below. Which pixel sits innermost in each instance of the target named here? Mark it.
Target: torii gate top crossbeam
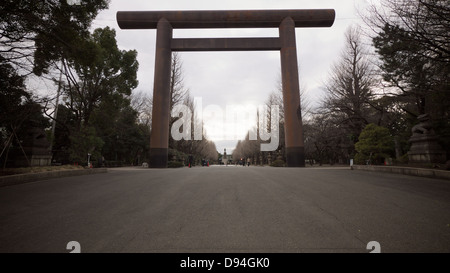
(226, 18)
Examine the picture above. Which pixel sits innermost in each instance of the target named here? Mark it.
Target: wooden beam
(226, 18)
(226, 44)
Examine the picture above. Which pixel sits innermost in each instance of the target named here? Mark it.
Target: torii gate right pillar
(295, 151)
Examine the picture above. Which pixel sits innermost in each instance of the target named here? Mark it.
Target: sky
(221, 79)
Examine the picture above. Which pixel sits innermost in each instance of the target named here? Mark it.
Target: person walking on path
(191, 159)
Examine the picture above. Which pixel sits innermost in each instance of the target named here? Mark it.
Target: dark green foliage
(13, 95)
(419, 71)
(97, 117)
(20, 116)
(177, 155)
(175, 164)
(375, 144)
(412, 78)
(85, 142)
(278, 163)
(65, 124)
(404, 66)
(47, 30)
(107, 77)
(124, 138)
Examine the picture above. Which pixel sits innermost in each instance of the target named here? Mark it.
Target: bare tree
(350, 85)
(238, 151)
(201, 148)
(251, 148)
(142, 102)
(326, 141)
(178, 91)
(277, 97)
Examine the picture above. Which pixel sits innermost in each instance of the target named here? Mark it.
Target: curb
(405, 170)
(17, 179)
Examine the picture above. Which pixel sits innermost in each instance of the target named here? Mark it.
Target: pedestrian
(191, 159)
(248, 162)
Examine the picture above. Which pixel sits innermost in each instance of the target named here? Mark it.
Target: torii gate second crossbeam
(285, 20)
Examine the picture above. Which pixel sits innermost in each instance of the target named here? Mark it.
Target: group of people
(243, 162)
(191, 161)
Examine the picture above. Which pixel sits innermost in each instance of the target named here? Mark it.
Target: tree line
(391, 70)
(96, 110)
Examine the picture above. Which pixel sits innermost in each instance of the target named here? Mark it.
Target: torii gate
(285, 20)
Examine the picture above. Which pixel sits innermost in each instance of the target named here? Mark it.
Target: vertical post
(159, 143)
(295, 151)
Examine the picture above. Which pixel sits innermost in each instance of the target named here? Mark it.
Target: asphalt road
(227, 209)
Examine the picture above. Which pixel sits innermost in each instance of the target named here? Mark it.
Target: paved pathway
(227, 209)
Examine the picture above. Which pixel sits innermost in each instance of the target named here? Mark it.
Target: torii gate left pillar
(159, 144)
(285, 20)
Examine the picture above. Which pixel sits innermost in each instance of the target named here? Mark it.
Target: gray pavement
(227, 209)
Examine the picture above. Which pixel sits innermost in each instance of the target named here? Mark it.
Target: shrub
(278, 163)
(375, 144)
(361, 159)
(175, 164)
(85, 142)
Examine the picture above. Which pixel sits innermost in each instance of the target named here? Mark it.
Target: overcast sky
(237, 78)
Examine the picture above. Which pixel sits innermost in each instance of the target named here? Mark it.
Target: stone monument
(225, 157)
(424, 143)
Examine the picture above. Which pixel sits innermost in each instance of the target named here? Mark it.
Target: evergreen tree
(375, 144)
